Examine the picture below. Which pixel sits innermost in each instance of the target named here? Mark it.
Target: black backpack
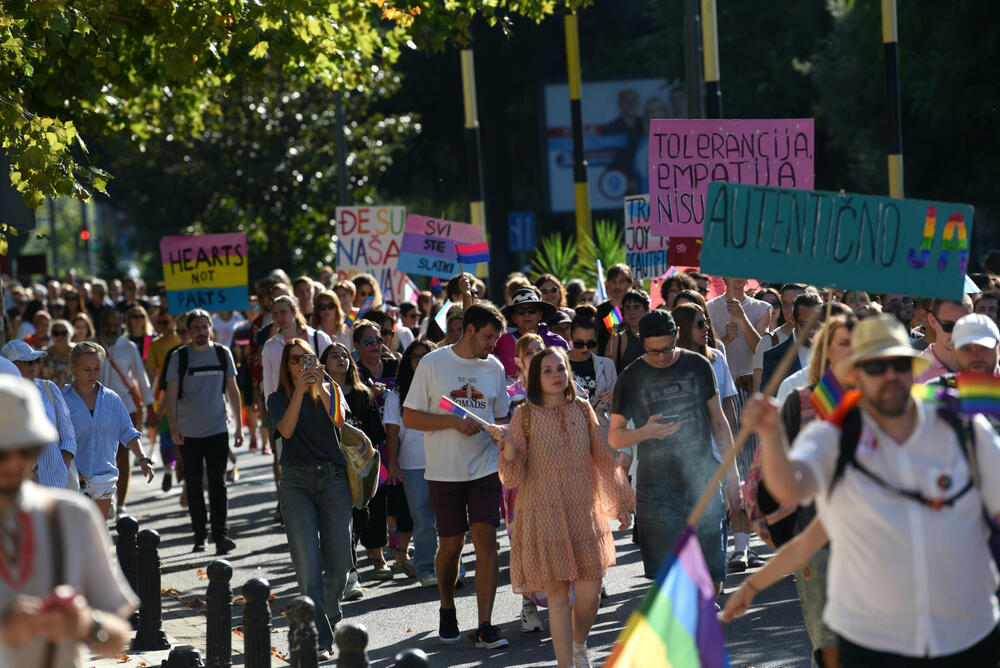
(183, 370)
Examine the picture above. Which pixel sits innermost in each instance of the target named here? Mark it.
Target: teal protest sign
(841, 240)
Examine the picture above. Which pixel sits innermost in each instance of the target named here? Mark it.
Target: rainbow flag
(613, 320)
(472, 253)
(447, 404)
(336, 404)
(925, 392)
(979, 393)
(676, 624)
(366, 306)
(827, 394)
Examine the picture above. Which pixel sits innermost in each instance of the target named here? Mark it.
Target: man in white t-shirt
(461, 461)
(910, 574)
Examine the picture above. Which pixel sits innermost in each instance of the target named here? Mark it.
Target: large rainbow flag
(676, 625)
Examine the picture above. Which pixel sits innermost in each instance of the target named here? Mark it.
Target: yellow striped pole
(710, 51)
(473, 156)
(581, 190)
(890, 39)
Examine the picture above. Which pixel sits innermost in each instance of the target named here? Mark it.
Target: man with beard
(59, 589)
(910, 575)
(124, 374)
(200, 377)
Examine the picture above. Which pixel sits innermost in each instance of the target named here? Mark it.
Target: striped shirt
(52, 470)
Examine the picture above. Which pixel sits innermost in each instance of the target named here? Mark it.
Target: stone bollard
(257, 624)
(411, 658)
(183, 656)
(351, 639)
(128, 555)
(302, 650)
(150, 635)
(219, 631)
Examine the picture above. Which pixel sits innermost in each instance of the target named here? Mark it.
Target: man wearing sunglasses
(910, 577)
(942, 314)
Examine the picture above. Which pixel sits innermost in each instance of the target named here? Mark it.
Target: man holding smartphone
(200, 377)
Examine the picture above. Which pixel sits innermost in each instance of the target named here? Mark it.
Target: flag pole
(744, 433)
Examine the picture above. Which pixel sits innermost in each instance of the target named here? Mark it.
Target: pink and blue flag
(447, 404)
(472, 253)
(676, 624)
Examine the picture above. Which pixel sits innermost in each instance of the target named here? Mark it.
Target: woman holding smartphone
(315, 493)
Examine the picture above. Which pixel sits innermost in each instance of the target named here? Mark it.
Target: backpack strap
(221, 354)
(850, 434)
(182, 367)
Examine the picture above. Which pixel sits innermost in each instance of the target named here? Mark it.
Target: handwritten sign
(428, 247)
(207, 272)
(686, 155)
(854, 242)
(368, 239)
(645, 254)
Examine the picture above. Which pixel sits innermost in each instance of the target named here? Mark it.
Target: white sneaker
(581, 658)
(353, 591)
(429, 581)
(530, 620)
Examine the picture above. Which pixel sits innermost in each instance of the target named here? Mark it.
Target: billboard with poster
(616, 117)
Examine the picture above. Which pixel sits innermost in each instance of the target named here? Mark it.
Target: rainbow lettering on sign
(954, 227)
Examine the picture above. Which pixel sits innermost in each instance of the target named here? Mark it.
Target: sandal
(737, 563)
(381, 572)
(405, 566)
(754, 560)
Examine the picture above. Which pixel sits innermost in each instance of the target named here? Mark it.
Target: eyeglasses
(661, 351)
(879, 367)
(947, 326)
(24, 453)
(60, 332)
(585, 344)
(372, 340)
(526, 310)
(328, 306)
(388, 333)
(701, 324)
(549, 291)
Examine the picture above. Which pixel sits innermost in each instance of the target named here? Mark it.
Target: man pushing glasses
(942, 314)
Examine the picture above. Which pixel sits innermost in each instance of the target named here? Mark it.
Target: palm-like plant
(557, 254)
(607, 245)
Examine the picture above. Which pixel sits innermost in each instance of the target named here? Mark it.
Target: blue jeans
(424, 532)
(316, 505)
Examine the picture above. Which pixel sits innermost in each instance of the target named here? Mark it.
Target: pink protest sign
(428, 247)
(685, 155)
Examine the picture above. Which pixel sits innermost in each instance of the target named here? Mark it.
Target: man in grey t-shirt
(200, 377)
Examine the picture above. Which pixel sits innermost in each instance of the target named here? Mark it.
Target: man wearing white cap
(52, 604)
(55, 463)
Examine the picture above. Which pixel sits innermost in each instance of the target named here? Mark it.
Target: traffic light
(84, 234)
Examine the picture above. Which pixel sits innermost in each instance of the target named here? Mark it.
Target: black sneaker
(225, 546)
(488, 636)
(199, 545)
(448, 627)
(168, 482)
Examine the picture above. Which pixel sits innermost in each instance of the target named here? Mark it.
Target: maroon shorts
(456, 504)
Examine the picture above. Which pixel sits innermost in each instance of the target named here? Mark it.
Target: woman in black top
(625, 347)
(315, 493)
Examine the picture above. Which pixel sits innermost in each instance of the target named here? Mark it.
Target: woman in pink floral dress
(568, 488)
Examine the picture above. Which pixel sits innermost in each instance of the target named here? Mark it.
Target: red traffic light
(84, 234)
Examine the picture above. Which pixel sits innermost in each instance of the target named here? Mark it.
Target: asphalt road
(399, 614)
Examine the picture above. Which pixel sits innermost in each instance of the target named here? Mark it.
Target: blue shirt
(98, 435)
(52, 470)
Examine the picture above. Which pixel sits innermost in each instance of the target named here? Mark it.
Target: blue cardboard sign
(521, 231)
(840, 240)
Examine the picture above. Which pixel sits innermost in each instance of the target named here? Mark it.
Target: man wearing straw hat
(910, 576)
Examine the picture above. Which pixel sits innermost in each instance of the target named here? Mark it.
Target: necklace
(25, 557)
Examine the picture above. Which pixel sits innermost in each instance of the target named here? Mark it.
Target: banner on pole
(645, 253)
(208, 271)
(848, 241)
(428, 247)
(368, 239)
(685, 155)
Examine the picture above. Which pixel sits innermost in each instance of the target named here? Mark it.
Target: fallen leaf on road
(380, 607)
(142, 663)
(195, 602)
(238, 633)
(237, 598)
(272, 597)
(201, 573)
(409, 629)
(123, 658)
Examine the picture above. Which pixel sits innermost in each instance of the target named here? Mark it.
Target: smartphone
(669, 418)
(310, 361)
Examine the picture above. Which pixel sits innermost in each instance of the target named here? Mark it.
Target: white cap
(975, 328)
(22, 417)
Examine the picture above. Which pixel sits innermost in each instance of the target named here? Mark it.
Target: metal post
(219, 599)
(351, 639)
(710, 51)
(581, 189)
(128, 555)
(692, 60)
(890, 39)
(473, 152)
(150, 636)
(257, 624)
(302, 635)
(411, 658)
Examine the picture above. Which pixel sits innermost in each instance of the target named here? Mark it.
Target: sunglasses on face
(329, 306)
(24, 453)
(879, 367)
(387, 333)
(585, 344)
(526, 310)
(947, 326)
(372, 340)
(701, 324)
(60, 332)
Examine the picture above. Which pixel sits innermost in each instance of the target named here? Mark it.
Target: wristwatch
(98, 634)
(145, 460)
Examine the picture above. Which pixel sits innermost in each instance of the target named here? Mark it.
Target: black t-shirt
(586, 377)
(365, 415)
(314, 440)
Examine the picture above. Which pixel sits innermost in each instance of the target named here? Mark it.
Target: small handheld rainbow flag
(827, 394)
(365, 307)
(336, 404)
(676, 624)
(613, 320)
(979, 393)
(472, 253)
